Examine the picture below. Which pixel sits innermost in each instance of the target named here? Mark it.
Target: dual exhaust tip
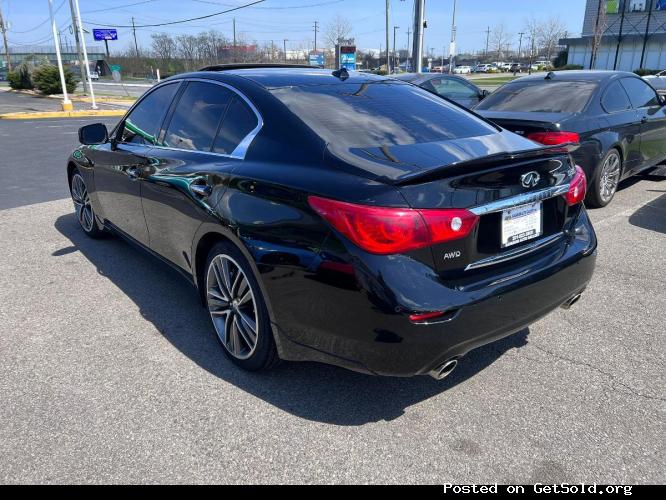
(444, 370)
(569, 303)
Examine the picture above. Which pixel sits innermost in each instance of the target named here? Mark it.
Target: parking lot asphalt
(109, 370)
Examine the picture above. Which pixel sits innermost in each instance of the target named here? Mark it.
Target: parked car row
(340, 217)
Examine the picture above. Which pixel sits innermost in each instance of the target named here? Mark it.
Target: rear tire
(238, 310)
(606, 179)
(83, 207)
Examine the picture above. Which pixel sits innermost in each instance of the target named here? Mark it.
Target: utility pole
(619, 36)
(388, 52)
(409, 52)
(487, 41)
(66, 103)
(647, 32)
(85, 56)
(529, 71)
(233, 55)
(316, 30)
(136, 45)
(520, 44)
(419, 25)
(452, 47)
(284, 44)
(3, 28)
(75, 28)
(395, 28)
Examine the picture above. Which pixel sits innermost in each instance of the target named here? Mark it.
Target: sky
(290, 19)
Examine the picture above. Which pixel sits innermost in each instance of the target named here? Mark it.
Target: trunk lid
(524, 123)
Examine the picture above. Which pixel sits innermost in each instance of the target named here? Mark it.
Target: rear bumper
(362, 323)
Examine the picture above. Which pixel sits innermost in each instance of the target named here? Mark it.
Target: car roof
(577, 75)
(275, 77)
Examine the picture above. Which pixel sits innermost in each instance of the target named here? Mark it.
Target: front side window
(541, 97)
(197, 117)
(142, 124)
(615, 99)
(641, 94)
(376, 114)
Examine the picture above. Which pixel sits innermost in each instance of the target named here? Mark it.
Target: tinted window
(197, 116)
(540, 97)
(640, 93)
(453, 89)
(239, 121)
(143, 123)
(379, 114)
(615, 98)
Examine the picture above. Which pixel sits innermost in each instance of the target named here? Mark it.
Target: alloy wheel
(84, 211)
(610, 177)
(232, 306)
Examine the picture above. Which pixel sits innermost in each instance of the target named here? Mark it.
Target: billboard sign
(348, 57)
(105, 34)
(316, 59)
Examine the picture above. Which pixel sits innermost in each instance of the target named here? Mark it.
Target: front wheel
(238, 310)
(83, 207)
(604, 186)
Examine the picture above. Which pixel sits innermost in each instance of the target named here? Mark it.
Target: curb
(27, 115)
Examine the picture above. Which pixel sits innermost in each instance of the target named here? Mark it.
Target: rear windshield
(540, 97)
(358, 115)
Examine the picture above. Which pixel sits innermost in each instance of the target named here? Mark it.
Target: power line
(180, 21)
(40, 24)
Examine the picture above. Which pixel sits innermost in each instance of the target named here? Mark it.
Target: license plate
(521, 224)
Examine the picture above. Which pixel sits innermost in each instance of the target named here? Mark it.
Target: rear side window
(238, 122)
(541, 97)
(615, 99)
(385, 113)
(453, 89)
(640, 93)
(198, 114)
(143, 123)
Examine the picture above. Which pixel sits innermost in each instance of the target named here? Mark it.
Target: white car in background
(658, 81)
(462, 70)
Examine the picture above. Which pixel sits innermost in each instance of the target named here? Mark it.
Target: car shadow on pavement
(651, 216)
(312, 391)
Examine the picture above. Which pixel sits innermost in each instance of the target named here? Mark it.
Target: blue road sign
(105, 34)
(317, 59)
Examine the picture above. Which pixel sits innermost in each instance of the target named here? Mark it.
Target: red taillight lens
(423, 317)
(385, 230)
(577, 188)
(555, 138)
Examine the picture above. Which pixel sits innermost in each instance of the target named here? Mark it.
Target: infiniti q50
(339, 217)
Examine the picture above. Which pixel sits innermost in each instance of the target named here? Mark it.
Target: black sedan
(454, 88)
(618, 119)
(346, 218)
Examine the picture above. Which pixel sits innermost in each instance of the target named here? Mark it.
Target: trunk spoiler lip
(434, 173)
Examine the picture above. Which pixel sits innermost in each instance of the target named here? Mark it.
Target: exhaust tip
(444, 370)
(569, 303)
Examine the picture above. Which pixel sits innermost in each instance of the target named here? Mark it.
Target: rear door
(200, 147)
(652, 116)
(121, 165)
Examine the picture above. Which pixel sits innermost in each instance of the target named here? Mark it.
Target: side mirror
(93, 134)
(483, 94)
(662, 99)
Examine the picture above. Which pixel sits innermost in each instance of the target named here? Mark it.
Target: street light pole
(417, 52)
(452, 47)
(3, 28)
(395, 28)
(85, 54)
(388, 51)
(66, 103)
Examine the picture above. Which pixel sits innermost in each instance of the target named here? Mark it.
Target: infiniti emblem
(530, 179)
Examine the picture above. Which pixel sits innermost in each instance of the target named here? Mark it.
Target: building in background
(627, 34)
(44, 54)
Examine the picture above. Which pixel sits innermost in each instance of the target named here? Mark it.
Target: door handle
(133, 173)
(201, 190)
(644, 119)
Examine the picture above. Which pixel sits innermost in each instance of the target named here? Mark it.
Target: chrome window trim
(521, 199)
(514, 254)
(242, 148)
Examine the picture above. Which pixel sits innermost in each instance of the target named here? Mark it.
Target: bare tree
(599, 30)
(187, 50)
(501, 40)
(549, 34)
(339, 27)
(163, 46)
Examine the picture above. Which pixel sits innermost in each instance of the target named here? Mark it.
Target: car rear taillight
(577, 188)
(386, 230)
(554, 138)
